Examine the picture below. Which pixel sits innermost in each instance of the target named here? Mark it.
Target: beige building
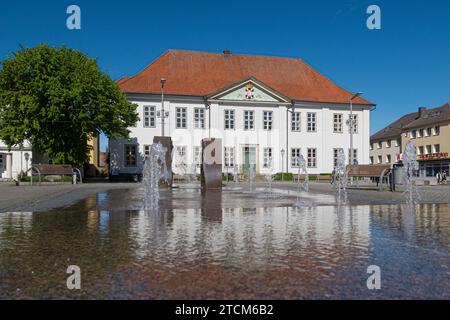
(386, 144)
(94, 167)
(430, 133)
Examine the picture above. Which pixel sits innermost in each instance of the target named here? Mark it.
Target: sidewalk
(18, 198)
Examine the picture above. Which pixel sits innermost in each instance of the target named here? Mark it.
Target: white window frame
(149, 116)
(420, 150)
(199, 118)
(312, 157)
(249, 120)
(335, 155)
(295, 154)
(437, 130)
(181, 117)
(438, 149)
(183, 150)
(229, 155)
(420, 133)
(296, 121)
(229, 119)
(267, 120)
(311, 121)
(337, 123)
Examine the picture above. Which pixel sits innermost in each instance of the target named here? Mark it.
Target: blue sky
(404, 65)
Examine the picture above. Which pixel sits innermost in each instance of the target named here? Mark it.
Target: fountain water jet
(410, 165)
(302, 170)
(251, 176)
(155, 169)
(301, 162)
(269, 176)
(340, 178)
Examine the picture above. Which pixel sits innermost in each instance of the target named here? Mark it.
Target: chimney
(226, 51)
(422, 111)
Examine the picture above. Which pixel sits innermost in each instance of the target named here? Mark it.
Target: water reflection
(216, 252)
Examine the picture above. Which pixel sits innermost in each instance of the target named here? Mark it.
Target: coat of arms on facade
(249, 92)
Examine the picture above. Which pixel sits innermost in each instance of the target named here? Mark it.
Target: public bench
(54, 170)
(378, 172)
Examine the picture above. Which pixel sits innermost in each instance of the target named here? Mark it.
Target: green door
(249, 159)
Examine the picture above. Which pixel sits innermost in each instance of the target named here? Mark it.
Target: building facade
(430, 133)
(267, 111)
(14, 161)
(386, 145)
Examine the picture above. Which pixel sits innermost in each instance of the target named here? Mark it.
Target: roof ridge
(236, 54)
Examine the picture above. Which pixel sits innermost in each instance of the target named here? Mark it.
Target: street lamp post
(282, 164)
(163, 113)
(351, 124)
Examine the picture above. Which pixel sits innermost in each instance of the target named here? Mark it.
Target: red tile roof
(194, 73)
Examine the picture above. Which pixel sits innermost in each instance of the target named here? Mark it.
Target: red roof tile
(194, 73)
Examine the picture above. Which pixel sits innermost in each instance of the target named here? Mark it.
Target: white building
(14, 161)
(266, 110)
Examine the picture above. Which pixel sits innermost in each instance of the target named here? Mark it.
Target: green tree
(56, 98)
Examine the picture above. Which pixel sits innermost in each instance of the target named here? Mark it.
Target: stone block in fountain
(166, 143)
(211, 168)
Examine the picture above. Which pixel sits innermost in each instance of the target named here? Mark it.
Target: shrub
(287, 176)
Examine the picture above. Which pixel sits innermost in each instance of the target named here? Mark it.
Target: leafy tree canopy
(56, 98)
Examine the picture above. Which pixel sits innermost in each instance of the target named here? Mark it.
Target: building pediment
(248, 90)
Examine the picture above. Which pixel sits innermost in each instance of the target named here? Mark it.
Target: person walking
(438, 177)
(444, 177)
